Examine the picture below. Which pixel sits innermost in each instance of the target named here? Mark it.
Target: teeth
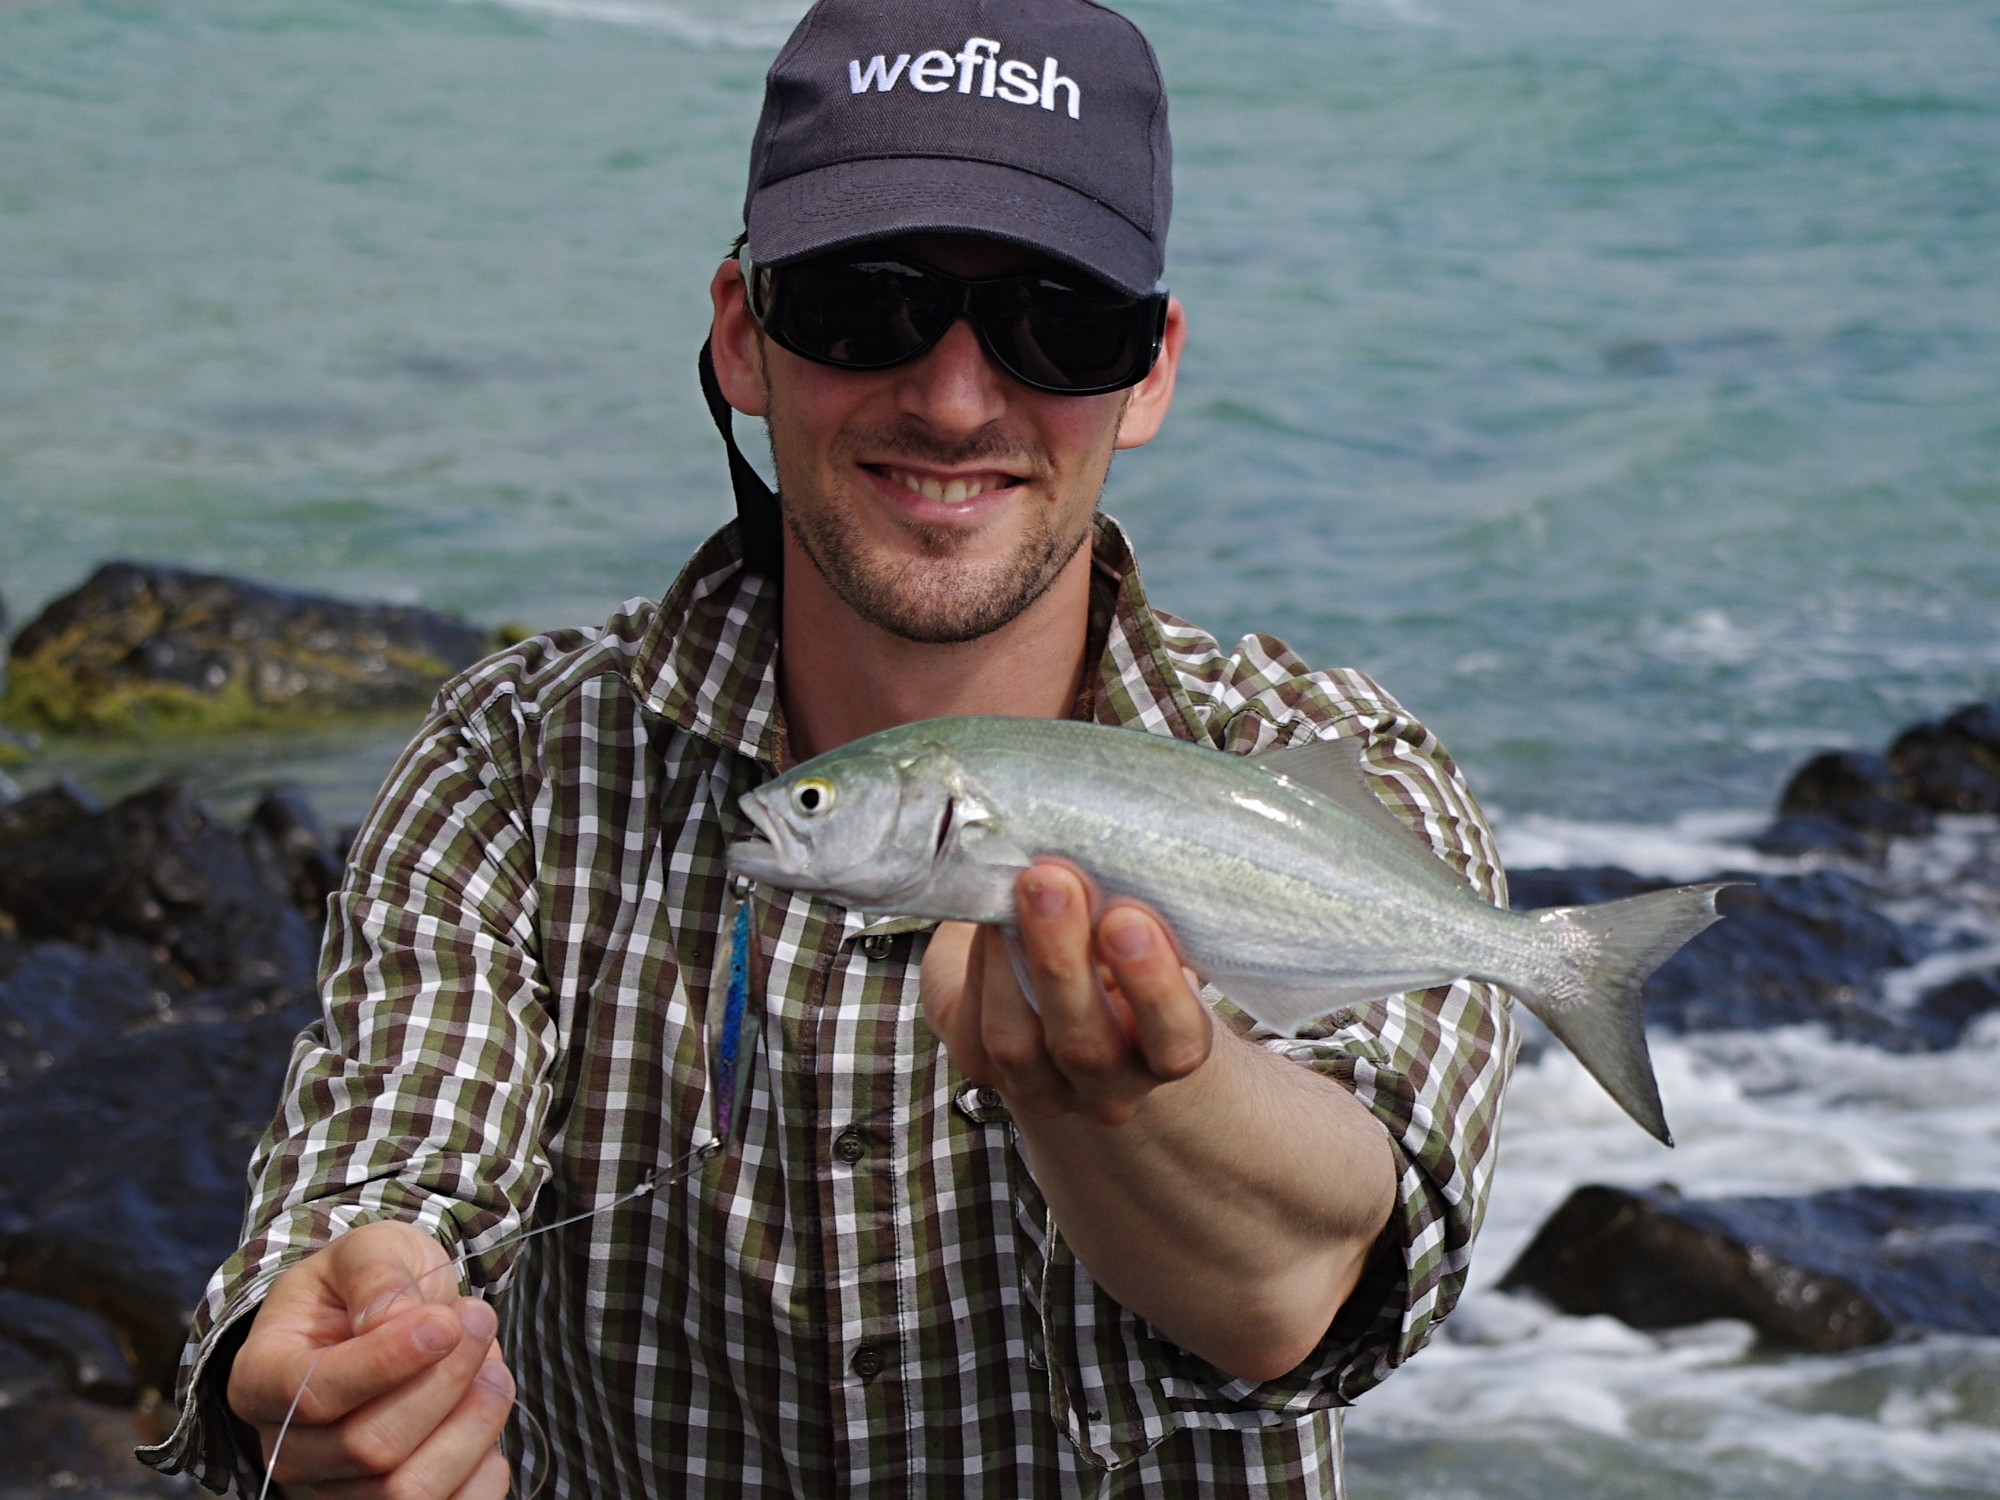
(946, 491)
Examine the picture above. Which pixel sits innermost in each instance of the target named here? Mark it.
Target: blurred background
(1617, 380)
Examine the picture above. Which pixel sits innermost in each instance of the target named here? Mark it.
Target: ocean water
(1617, 380)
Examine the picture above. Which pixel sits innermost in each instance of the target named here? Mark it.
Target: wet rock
(1953, 765)
(78, 1344)
(53, 1443)
(140, 646)
(159, 868)
(311, 857)
(56, 997)
(121, 1172)
(1844, 803)
(1948, 1012)
(23, 817)
(1835, 1270)
(1794, 948)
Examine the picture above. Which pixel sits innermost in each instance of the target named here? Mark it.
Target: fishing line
(732, 1050)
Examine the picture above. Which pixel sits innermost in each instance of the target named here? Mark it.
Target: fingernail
(477, 1319)
(1128, 937)
(496, 1377)
(383, 1308)
(1047, 898)
(435, 1336)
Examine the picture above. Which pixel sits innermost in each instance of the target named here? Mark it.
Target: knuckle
(1012, 1050)
(1088, 1055)
(369, 1449)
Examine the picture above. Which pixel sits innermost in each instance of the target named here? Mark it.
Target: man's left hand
(1118, 1013)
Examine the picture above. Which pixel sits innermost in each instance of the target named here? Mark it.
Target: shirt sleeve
(418, 1095)
(1431, 1065)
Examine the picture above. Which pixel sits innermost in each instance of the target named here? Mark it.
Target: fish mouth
(779, 856)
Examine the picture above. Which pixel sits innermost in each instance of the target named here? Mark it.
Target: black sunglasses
(1052, 330)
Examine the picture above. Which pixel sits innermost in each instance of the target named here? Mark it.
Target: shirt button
(867, 1362)
(989, 1098)
(878, 945)
(849, 1146)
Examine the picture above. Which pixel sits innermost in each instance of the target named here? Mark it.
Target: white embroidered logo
(933, 72)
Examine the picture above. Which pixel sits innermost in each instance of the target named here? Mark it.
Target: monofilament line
(665, 1176)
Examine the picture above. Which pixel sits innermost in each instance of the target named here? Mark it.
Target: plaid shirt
(515, 977)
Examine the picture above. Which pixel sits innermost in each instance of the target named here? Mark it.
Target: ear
(1151, 397)
(734, 337)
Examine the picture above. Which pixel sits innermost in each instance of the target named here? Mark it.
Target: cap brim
(847, 203)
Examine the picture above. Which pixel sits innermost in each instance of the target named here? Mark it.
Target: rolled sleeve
(418, 1095)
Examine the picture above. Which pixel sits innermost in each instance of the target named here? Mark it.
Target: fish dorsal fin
(1334, 769)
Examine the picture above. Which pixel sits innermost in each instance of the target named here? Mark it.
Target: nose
(954, 388)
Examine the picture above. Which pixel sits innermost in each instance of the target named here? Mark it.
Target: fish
(1290, 885)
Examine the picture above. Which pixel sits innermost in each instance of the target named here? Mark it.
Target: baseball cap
(1039, 122)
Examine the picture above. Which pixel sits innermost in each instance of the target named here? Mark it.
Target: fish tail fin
(1592, 1000)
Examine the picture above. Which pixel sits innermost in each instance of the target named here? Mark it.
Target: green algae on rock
(140, 647)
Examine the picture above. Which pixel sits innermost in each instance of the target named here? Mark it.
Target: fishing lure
(731, 1036)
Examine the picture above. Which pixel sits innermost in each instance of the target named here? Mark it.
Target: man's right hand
(409, 1394)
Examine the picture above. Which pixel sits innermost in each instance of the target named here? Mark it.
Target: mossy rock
(141, 648)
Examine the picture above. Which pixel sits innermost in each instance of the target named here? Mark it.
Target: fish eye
(813, 796)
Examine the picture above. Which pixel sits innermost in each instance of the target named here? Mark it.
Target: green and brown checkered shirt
(516, 974)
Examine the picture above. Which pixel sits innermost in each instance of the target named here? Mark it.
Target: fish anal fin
(1287, 1005)
(1334, 769)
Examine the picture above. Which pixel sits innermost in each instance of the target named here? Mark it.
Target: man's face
(940, 498)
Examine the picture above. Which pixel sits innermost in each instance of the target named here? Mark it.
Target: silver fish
(1292, 888)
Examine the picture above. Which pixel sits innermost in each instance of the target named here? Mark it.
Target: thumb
(383, 1270)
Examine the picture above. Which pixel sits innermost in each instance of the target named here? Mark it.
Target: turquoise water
(1620, 382)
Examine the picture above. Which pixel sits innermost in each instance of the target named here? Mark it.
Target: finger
(277, 1366)
(378, 1437)
(489, 1481)
(948, 988)
(457, 1454)
(1175, 1030)
(1011, 1034)
(386, 1268)
(1083, 1036)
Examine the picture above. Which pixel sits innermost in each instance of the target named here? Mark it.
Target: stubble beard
(941, 598)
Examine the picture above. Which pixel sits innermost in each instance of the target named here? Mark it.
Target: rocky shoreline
(156, 961)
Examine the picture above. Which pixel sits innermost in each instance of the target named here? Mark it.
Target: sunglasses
(1052, 330)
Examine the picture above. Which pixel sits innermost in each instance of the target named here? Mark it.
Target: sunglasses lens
(861, 314)
(1053, 333)
(1061, 336)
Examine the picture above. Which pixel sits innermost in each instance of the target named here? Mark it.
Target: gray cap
(1041, 122)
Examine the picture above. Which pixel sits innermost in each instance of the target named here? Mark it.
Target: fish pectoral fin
(1335, 769)
(983, 844)
(1286, 1005)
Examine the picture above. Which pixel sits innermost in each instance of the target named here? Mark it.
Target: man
(961, 1246)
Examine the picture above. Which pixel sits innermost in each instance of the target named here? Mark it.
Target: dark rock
(79, 1344)
(140, 646)
(1810, 833)
(1793, 948)
(45, 811)
(1836, 1270)
(1946, 1013)
(311, 857)
(56, 997)
(121, 1172)
(52, 1443)
(157, 867)
(1864, 793)
(1953, 765)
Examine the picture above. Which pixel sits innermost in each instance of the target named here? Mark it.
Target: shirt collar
(708, 663)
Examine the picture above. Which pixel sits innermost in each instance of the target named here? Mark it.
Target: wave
(751, 24)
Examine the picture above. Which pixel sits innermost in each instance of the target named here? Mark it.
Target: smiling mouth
(953, 490)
